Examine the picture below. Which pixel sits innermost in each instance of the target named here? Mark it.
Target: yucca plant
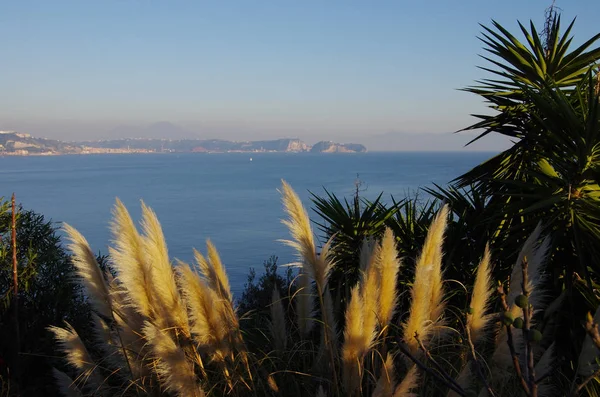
(522, 69)
(534, 64)
(544, 95)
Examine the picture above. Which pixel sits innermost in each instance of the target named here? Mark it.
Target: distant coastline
(14, 143)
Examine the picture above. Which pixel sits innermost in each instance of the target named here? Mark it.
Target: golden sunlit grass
(172, 329)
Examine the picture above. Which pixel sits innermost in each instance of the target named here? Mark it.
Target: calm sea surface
(229, 198)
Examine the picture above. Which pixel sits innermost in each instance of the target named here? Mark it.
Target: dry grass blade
(387, 382)
(277, 326)
(174, 370)
(89, 272)
(272, 384)
(477, 320)
(65, 384)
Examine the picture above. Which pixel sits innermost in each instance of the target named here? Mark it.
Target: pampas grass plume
(169, 306)
(410, 382)
(427, 290)
(303, 240)
(353, 347)
(175, 372)
(206, 314)
(389, 267)
(89, 272)
(77, 355)
(129, 259)
(477, 320)
(432, 253)
(213, 271)
(65, 384)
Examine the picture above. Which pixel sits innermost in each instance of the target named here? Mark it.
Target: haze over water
(224, 197)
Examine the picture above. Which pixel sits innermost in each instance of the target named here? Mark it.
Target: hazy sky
(344, 70)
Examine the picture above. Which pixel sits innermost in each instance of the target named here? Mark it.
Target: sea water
(231, 198)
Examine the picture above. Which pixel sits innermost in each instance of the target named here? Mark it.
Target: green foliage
(256, 297)
(533, 65)
(546, 98)
(46, 297)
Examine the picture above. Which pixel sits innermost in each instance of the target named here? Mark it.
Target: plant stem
(326, 325)
(585, 382)
(527, 316)
(511, 345)
(477, 364)
(15, 283)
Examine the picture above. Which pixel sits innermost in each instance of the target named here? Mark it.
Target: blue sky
(251, 69)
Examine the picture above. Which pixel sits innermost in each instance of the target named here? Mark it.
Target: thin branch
(435, 363)
(527, 317)
(478, 365)
(15, 283)
(585, 382)
(510, 342)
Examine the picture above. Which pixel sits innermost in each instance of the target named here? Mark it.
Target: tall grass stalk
(317, 266)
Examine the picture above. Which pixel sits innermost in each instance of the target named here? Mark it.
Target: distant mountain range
(15, 143)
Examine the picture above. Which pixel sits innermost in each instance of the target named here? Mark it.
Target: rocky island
(20, 144)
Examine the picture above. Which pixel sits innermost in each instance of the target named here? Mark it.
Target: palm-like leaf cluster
(546, 98)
